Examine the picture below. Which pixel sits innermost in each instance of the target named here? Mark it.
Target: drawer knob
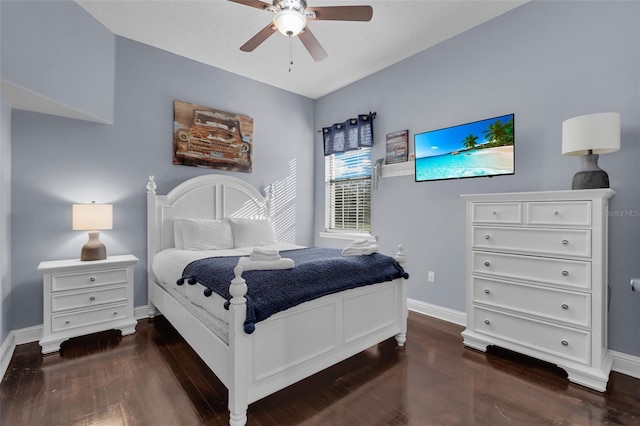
(565, 306)
(487, 322)
(556, 213)
(115, 313)
(92, 279)
(487, 264)
(565, 343)
(486, 237)
(565, 273)
(494, 212)
(92, 298)
(67, 322)
(487, 291)
(565, 242)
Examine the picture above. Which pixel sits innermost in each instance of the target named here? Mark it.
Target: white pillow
(251, 232)
(203, 234)
(178, 241)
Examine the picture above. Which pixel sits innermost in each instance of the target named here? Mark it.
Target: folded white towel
(265, 251)
(252, 265)
(359, 251)
(360, 243)
(263, 254)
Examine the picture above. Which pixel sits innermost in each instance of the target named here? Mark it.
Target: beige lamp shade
(598, 133)
(92, 217)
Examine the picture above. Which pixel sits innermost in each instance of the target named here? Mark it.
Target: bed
(287, 346)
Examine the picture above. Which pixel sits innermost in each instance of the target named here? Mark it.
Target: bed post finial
(400, 257)
(269, 196)
(238, 287)
(151, 185)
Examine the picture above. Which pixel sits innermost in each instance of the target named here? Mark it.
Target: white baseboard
(626, 364)
(16, 337)
(439, 312)
(141, 312)
(622, 363)
(6, 352)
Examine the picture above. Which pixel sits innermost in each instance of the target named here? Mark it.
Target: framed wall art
(397, 147)
(208, 137)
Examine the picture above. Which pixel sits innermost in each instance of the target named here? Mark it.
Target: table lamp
(588, 136)
(92, 217)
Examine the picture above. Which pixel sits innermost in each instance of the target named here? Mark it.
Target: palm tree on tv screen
(498, 133)
(470, 141)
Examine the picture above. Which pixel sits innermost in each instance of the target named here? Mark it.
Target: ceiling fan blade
(313, 46)
(252, 3)
(342, 13)
(259, 38)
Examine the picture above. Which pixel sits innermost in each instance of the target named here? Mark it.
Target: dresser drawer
(555, 242)
(564, 213)
(505, 213)
(571, 308)
(88, 317)
(93, 297)
(88, 279)
(555, 272)
(568, 343)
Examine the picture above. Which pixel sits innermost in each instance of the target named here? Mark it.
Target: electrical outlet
(432, 277)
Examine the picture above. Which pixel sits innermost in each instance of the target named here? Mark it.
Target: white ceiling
(212, 31)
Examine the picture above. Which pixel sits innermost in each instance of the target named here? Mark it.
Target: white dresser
(82, 297)
(537, 278)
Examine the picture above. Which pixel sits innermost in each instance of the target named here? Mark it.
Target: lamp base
(591, 176)
(94, 249)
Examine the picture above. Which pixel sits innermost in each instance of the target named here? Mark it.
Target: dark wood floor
(154, 378)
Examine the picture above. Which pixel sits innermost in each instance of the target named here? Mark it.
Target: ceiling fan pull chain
(290, 54)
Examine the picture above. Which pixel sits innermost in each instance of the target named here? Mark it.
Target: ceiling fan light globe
(290, 22)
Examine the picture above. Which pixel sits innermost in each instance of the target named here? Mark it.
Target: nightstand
(83, 297)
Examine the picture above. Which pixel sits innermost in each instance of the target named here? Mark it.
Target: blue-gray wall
(545, 62)
(55, 55)
(58, 161)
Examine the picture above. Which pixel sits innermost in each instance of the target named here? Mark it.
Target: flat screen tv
(482, 148)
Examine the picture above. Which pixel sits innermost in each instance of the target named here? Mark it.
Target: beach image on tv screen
(481, 148)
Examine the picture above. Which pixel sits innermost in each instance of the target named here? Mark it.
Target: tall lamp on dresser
(537, 278)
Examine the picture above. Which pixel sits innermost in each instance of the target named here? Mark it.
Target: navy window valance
(352, 134)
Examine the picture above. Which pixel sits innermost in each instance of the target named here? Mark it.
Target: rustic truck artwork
(207, 137)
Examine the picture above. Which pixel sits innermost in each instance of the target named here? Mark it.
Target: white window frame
(361, 175)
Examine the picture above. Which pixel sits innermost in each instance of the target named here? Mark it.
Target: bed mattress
(168, 266)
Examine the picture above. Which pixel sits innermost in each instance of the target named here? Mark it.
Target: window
(348, 190)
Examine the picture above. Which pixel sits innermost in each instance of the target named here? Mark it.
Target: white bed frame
(286, 347)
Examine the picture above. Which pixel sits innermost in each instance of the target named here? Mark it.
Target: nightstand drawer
(88, 317)
(505, 213)
(553, 242)
(88, 279)
(571, 308)
(565, 213)
(560, 341)
(553, 272)
(93, 297)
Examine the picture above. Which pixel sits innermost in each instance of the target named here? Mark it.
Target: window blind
(348, 190)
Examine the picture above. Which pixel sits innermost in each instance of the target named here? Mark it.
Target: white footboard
(301, 341)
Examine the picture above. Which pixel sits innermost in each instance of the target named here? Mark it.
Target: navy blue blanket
(318, 272)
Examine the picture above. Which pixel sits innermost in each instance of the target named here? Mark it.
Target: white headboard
(204, 197)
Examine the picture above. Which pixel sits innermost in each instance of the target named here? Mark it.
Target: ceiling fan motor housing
(289, 17)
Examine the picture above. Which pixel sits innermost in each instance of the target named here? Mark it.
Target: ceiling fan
(290, 18)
